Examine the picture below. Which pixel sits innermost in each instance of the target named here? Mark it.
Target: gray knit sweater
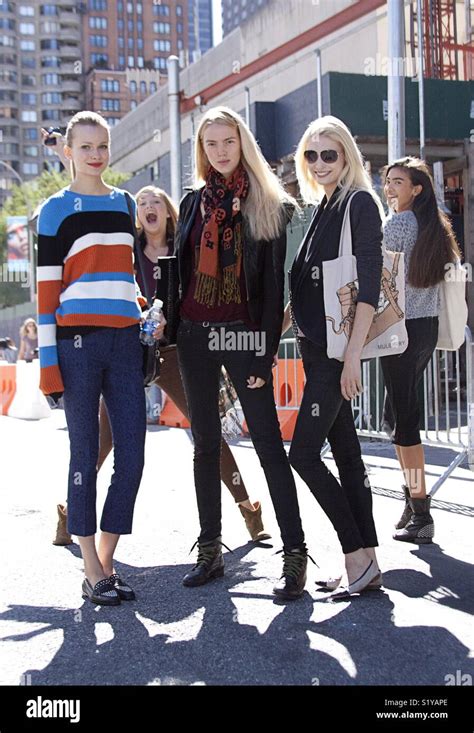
(399, 235)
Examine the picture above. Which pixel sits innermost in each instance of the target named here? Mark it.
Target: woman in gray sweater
(422, 231)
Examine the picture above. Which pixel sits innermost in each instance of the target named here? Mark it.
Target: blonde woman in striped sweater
(89, 344)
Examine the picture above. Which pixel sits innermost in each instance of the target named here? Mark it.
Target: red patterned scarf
(220, 252)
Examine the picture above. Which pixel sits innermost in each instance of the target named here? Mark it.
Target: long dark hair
(436, 243)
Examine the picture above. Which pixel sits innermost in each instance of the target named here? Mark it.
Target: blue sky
(217, 23)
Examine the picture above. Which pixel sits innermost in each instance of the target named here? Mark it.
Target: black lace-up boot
(292, 582)
(210, 563)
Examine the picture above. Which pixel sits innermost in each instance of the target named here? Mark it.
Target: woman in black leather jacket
(231, 246)
(329, 162)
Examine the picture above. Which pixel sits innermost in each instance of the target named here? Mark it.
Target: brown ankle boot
(253, 522)
(62, 535)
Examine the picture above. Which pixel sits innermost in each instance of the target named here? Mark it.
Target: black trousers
(200, 367)
(324, 413)
(402, 375)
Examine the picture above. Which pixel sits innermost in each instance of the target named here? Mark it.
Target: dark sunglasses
(327, 156)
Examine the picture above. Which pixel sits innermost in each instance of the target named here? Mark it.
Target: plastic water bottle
(151, 323)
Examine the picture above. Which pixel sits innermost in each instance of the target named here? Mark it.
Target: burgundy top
(194, 311)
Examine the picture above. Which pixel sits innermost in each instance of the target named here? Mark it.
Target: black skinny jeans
(324, 413)
(200, 368)
(403, 374)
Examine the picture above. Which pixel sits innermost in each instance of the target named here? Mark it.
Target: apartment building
(63, 56)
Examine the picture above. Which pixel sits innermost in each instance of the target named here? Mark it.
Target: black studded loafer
(123, 589)
(103, 592)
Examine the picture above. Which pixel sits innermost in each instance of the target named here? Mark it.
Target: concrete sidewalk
(232, 631)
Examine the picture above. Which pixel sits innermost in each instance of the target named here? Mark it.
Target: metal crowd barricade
(446, 403)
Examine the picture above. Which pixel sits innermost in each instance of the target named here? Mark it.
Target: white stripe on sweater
(50, 272)
(110, 289)
(47, 335)
(99, 238)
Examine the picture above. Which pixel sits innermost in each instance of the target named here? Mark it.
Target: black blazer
(321, 243)
(263, 264)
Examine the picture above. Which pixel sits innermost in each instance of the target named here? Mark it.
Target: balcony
(69, 33)
(69, 69)
(67, 4)
(68, 51)
(70, 85)
(69, 17)
(71, 103)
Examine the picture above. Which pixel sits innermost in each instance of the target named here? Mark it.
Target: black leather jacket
(263, 263)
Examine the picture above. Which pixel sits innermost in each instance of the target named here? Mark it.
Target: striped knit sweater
(85, 270)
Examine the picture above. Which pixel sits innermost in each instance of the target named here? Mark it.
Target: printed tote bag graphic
(387, 334)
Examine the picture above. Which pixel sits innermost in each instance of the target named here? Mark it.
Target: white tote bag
(387, 334)
(452, 308)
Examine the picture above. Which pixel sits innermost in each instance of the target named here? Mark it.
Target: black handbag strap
(139, 256)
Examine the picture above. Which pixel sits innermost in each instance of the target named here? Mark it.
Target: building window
(120, 25)
(140, 62)
(7, 41)
(31, 169)
(49, 44)
(143, 87)
(109, 85)
(27, 80)
(133, 87)
(161, 10)
(50, 61)
(139, 8)
(161, 45)
(31, 150)
(28, 98)
(99, 59)
(180, 44)
(30, 133)
(50, 79)
(25, 10)
(159, 63)
(140, 44)
(7, 23)
(179, 28)
(97, 4)
(97, 23)
(50, 26)
(121, 62)
(51, 98)
(49, 10)
(133, 104)
(130, 44)
(28, 29)
(28, 63)
(121, 42)
(50, 114)
(179, 10)
(131, 61)
(112, 105)
(153, 87)
(161, 27)
(100, 41)
(130, 26)
(27, 45)
(29, 115)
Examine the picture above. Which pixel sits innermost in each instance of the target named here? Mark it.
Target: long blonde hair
(263, 207)
(171, 209)
(353, 176)
(85, 117)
